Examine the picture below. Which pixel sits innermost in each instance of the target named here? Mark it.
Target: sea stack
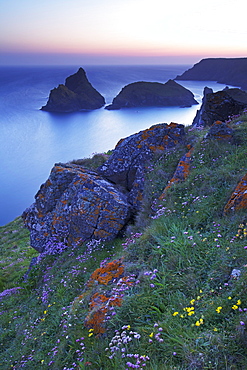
(77, 94)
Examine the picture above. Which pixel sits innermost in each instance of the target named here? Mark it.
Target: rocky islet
(77, 94)
(149, 94)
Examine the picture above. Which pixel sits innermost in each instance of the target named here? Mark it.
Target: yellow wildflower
(175, 313)
(234, 307)
(239, 302)
(151, 335)
(191, 313)
(218, 309)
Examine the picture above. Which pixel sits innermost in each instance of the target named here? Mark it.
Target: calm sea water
(31, 140)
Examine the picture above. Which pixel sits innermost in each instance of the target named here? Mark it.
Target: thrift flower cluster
(118, 347)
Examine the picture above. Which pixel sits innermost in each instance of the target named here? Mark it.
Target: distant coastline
(229, 71)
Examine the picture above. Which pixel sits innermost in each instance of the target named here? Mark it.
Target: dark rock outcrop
(220, 105)
(146, 94)
(77, 94)
(181, 173)
(229, 71)
(197, 120)
(220, 131)
(76, 204)
(127, 164)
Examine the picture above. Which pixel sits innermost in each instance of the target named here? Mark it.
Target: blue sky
(120, 31)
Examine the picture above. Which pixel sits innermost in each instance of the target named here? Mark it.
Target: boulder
(77, 94)
(75, 205)
(146, 94)
(127, 165)
(219, 106)
(220, 131)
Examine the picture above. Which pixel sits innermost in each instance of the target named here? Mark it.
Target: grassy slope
(182, 309)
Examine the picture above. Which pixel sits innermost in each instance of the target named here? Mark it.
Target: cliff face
(77, 94)
(146, 94)
(232, 71)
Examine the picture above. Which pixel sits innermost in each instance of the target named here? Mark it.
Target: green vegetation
(181, 302)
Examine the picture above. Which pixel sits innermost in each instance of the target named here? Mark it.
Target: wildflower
(234, 307)
(191, 313)
(199, 322)
(241, 323)
(151, 335)
(192, 301)
(215, 329)
(229, 298)
(189, 309)
(175, 313)
(239, 302)
(218, 309)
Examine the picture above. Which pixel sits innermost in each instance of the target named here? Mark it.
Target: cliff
(231, 71)
(169, 293)
(77, 94)
(147, 94)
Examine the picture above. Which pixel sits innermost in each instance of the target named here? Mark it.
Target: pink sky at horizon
(120, 31)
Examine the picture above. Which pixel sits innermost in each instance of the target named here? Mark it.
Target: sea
(32, 140)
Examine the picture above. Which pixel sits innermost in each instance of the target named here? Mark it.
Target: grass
(179, 300)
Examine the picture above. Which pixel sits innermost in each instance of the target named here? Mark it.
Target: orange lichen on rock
(220, 131)
(181, 173)
(100, 303)
(238, 199)
(107, 273)
(99, 306)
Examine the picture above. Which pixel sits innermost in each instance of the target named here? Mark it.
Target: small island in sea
(148, 94)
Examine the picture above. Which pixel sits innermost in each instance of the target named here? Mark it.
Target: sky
(120, 31)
